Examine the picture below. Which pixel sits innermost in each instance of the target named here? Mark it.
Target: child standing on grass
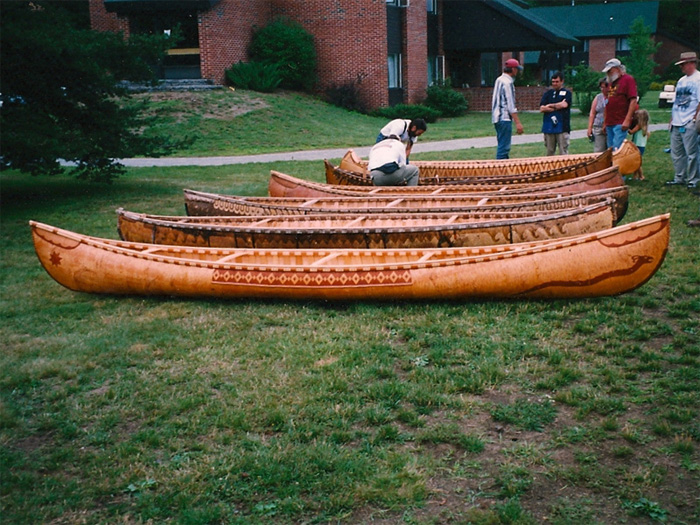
(640, 134)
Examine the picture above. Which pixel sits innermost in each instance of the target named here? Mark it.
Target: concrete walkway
(320, 154)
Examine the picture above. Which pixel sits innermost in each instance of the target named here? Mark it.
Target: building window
(398, 3)
(622, 44)
(432, 7)
(581, 47)
(394, 62)
(436, 69)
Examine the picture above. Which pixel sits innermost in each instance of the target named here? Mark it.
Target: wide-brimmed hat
(689, 56)
(613, 62)
(511, 62)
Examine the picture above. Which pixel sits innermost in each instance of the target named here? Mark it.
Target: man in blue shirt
(556, 108)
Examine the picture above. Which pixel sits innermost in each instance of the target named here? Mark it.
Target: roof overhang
(497, 25)
(141, 6)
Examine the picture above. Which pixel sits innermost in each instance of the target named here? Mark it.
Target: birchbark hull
(627, 158)
(283, 185)
(616, 261)
(213, 204)
(358, 231)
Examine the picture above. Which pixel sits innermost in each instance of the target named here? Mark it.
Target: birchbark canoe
(603, 263)
(199, 203)
(627, 158)
(368, 231)
(463, 172)
(284, 185)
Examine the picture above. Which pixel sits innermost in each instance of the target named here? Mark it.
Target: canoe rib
(364, 231)
(617, 260)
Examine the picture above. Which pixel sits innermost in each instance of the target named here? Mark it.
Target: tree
(584, 83)
(642, 48)
(67, 101)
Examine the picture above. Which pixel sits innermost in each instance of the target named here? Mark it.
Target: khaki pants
(405, 176)
(552, 140)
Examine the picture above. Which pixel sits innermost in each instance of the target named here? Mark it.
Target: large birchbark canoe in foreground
(199, 203)
(627, 158)
(604, 263)
(353, 171)
(284, 185)
(368, 231)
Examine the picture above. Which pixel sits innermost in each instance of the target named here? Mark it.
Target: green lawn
(137, 410)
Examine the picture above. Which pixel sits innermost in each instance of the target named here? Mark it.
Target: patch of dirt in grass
(193, 102)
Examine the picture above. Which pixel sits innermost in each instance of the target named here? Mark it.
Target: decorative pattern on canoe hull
(321, 279)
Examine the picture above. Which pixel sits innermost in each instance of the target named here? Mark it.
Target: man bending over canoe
(387, 164)
(408, 131)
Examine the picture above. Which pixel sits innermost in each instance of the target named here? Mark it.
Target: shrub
(447, 101)
(346, 96)
(291, 48)
(254, 75)
(659, 86)
(408, 111)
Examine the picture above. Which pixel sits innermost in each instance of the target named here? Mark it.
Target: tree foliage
(583, 81)
(290, 47)
(66, 101)
(642, 48)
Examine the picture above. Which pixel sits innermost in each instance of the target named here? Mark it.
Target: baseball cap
(613, 62)
(511, 62)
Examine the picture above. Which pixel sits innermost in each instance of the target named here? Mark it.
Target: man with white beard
(622, 102)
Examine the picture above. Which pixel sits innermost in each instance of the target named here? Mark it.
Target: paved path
(320, 154)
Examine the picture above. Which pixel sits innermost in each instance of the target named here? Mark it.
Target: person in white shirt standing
(684, 137)
(387, 164)
(503, 109)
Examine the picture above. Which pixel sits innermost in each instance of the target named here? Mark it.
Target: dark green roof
(599, 20)
(552, 30)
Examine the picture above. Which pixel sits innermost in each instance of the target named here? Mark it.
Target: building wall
(225, 32)
(527, 98)
(600, 50)
(101, 20)
(416, 52)
(669, 53)
(350, 41)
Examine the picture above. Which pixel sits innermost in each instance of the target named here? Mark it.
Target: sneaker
(693, 223)
(674, 183)
(692, 185)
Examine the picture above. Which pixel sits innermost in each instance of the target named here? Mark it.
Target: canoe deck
(616, 260)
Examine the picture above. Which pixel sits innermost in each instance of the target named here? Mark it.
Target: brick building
(391, 50)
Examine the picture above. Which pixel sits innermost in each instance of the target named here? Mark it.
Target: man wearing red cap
(503, 109)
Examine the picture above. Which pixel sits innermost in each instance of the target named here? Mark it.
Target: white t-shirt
(387, 151)
(398, 127)
(687, 98)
